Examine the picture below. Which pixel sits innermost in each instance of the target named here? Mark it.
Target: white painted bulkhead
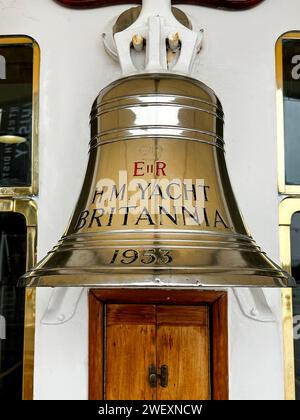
(238, 62)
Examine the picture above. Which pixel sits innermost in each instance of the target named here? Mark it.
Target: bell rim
(158, 280)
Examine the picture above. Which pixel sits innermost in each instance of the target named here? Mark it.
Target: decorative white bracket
(164, 43)
(253, 304)
(62, 305)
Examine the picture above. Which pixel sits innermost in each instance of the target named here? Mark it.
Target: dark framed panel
(19, 92)
(226, 4)
(288, 109)
(289, 230)
(18, 224)
(217, 301)
(13, 249)
(295, 269)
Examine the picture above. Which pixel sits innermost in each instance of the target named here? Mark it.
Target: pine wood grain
(183, 345)
(220, 360)
(95, 348)
(130, 350)
(158, 296)
(182, 315)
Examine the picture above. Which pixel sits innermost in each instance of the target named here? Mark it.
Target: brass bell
(156, 207)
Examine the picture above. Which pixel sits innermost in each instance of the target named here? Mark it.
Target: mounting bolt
(61, 318)
(138, 43)
(254, 312)
(174, 41)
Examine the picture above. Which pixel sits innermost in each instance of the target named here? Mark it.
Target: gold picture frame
(33, 188)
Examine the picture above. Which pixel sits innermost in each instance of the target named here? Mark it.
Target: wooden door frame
(217, 301)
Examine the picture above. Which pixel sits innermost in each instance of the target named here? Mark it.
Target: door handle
(152, 376)
(163, 376)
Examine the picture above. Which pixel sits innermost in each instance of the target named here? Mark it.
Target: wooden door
(130, 350)
(140, 336)
(183, 345)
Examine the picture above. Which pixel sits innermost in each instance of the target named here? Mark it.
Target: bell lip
(160, 281)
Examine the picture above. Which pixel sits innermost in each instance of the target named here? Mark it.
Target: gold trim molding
(287, 208)
(288, 344)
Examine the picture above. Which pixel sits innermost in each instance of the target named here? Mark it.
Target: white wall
(237, 61)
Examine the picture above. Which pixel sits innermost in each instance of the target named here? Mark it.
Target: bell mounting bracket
(156, 38)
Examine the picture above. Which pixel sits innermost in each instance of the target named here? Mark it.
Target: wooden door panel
(182, 315)
(138, 336)
(130, 350)
(183, 345)
(96, 327)
(140, 317)
(131, 314)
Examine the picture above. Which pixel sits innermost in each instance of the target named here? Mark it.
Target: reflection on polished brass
(33, 188)
(164, 134)
(283, 188)
(28, 209)
(128, 17)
